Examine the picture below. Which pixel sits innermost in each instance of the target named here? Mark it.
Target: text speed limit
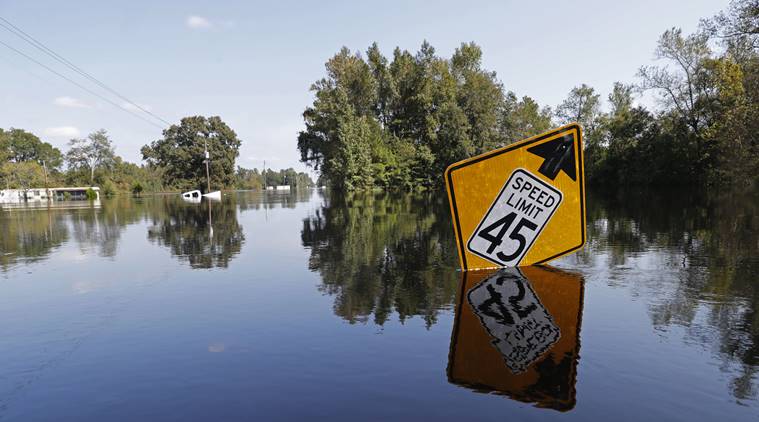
(515, 219)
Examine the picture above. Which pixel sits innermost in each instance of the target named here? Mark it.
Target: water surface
(309, 305)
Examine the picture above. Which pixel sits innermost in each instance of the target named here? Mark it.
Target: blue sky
(252, 63)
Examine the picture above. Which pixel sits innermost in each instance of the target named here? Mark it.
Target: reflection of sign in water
(521, 328)
(522, 204)
(485, 351)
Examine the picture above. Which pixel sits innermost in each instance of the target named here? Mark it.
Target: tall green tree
(94, 152)
(480, 96)
(23, 175)
(399, 123)
(679, 87)
(582, 105)
(522, 118)
(18, 145)
(708, 105)
(737, 27)
(180, 153)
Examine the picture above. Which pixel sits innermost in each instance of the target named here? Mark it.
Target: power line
(42, 47)
(48, 68)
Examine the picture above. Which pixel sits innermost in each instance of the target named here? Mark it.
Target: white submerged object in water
(213, 195)
(192, 196)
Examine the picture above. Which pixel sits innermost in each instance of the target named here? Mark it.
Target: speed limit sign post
(522, 204)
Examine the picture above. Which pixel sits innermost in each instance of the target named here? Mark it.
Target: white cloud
(134, 106)
(198, 22)
(70, 102)
(62, 132)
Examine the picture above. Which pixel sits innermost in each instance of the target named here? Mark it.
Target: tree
(582, 106)
(680, 87)
(91, 153)
(708, 103)
(523, 118)
(180, 153)
(18, 145)
(621, 99)
(24, 175)
(249, 179)
(137, 188)
(737, 27)
(399, 123)
(351, 163)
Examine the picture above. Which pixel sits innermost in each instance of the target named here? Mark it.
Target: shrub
(137, 188)
(108, 189)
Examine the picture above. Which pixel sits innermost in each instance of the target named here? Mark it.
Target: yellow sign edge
(477, 158)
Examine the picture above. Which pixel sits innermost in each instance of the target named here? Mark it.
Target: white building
(41, 194)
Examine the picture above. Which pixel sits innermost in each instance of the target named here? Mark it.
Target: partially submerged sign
(516, 333)
(522, 204)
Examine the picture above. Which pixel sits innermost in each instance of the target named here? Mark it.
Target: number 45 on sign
(522, 204)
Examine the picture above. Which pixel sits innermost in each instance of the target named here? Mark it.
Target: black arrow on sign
(559, 155)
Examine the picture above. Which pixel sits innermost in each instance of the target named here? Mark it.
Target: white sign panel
(515, 219)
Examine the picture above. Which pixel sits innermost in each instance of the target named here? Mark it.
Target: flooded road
(277, 306)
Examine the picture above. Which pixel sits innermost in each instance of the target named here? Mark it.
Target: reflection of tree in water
(703, 250)
(379, 253)
(29, 236)
(185, 230)
(258, 199)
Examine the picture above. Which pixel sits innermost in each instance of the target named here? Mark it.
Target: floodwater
(309, 306)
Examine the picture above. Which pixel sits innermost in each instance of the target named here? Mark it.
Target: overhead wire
(15, 30)
(48, 68)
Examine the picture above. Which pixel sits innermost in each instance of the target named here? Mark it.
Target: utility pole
(47, 191)
(264, 174)
(208, 173)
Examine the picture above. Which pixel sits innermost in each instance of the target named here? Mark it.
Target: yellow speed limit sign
(522, 204)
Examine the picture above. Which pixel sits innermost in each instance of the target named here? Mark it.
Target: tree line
(398, 123)
(174, 162)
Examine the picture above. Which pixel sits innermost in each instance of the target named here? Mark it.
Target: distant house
(20, 195)
(41, 194)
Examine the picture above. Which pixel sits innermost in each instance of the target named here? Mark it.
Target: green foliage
(91, 194)
(22, 175)
(180, 153)
(18, 145)
(523, 118)
(206, 236)
(400, 123)
(736, 28)
(137, 188)
(253, 179)
(91, 153)
(705, 131)
(109, 189)
(362, 244)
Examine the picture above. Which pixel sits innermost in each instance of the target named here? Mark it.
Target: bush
(108, 189)
(137, 188)
(90, 193)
